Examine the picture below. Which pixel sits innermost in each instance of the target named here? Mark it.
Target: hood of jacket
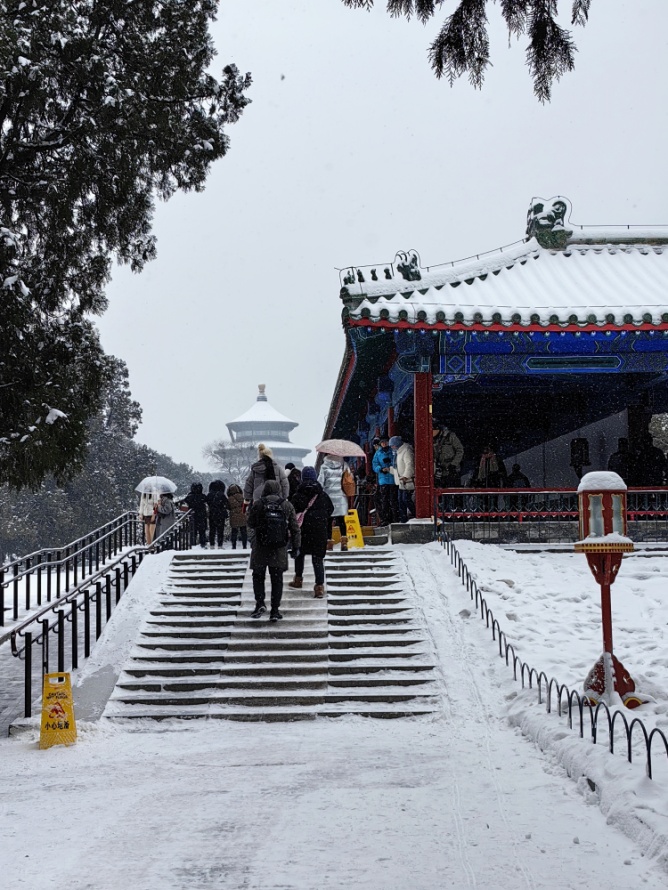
(271, 487)
(196, 488)
(333, 463)
(234, 489)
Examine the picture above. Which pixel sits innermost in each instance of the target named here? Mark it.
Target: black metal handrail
(52, 572)
(95, 597)
(529, 674)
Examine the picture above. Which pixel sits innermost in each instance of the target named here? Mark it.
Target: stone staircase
(358, 651)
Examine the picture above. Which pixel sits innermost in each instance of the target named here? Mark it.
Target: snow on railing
(90, 603)
(528, 674)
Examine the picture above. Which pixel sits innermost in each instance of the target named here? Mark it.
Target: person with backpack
(273, 520)
(196, 501)
(331, 479)
(264, 469)
(314, 509)
(218, 504)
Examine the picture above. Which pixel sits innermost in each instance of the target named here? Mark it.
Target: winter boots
(330, 544)
(344, 543)
(319, 591)
(296, 582)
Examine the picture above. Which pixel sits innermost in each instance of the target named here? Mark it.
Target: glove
(294, 553)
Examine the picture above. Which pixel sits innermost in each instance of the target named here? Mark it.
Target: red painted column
(424, 446)
(391, 427)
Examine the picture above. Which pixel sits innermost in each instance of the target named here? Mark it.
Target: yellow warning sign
(58, 725)
(354, 530)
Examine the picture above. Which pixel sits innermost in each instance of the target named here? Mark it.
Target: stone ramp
(357, 651)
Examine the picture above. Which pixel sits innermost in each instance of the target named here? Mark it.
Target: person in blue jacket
(387, 486)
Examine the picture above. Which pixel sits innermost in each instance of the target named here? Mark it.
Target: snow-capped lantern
(602, 508)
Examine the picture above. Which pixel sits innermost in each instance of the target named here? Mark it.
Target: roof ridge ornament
(546, 222)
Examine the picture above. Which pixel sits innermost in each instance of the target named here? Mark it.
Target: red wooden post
(424, 446)
(391, 427)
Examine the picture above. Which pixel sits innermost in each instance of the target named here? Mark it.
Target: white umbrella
(340, 448)
(156, 485)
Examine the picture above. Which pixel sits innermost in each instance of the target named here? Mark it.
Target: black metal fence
(63, 632)
(511, 515)
(570, 701)
(49, 574)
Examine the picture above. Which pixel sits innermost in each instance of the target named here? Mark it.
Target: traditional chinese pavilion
(263, 423)
(560, 336)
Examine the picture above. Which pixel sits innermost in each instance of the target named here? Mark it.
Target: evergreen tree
(462, 45)
(105, 105)
(53, 515)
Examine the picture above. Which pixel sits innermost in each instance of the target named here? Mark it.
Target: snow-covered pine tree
(53, 515)
(105, 105)
(462, 44)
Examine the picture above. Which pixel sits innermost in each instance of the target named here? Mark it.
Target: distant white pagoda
(262, 423)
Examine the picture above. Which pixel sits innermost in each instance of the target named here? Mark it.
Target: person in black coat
(218, 512)
(316, 505)
(196, 500)
(294, 479)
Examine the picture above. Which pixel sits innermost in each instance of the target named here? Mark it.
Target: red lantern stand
(603, 541)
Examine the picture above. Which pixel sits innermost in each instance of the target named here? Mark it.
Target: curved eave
(342, 382)
(278, 425)
(499, 326)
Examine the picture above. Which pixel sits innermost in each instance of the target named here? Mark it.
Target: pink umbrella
(340, 448)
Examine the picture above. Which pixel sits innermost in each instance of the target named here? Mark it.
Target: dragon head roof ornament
(546, 222)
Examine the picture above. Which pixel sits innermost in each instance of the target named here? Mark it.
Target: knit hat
(396, 441)
(264, 451)
(309, 475)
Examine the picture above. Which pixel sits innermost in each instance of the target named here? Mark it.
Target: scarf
(269, 472)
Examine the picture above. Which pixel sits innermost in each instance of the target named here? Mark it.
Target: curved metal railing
(48, 574)
(92, 601)
(575, 703)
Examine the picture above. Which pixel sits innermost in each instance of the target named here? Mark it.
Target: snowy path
(460, 801)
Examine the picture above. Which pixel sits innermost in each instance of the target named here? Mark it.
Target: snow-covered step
(359, 650)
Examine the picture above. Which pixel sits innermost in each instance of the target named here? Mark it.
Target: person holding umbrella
(150, 490)
(331, 478)
(147, 506)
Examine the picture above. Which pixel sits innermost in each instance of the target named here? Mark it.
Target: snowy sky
(351, 151)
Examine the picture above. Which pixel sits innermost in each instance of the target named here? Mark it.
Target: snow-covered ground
(464, 800)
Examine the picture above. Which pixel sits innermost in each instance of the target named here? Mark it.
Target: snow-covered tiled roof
(261, 412)
(561, 274)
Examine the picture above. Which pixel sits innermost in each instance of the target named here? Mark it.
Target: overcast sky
(351, 151)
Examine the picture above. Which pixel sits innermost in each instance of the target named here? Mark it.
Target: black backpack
(272, 526)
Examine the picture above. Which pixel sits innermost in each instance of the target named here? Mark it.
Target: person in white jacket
(404, 473)
(147, 510)
(331, 477)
